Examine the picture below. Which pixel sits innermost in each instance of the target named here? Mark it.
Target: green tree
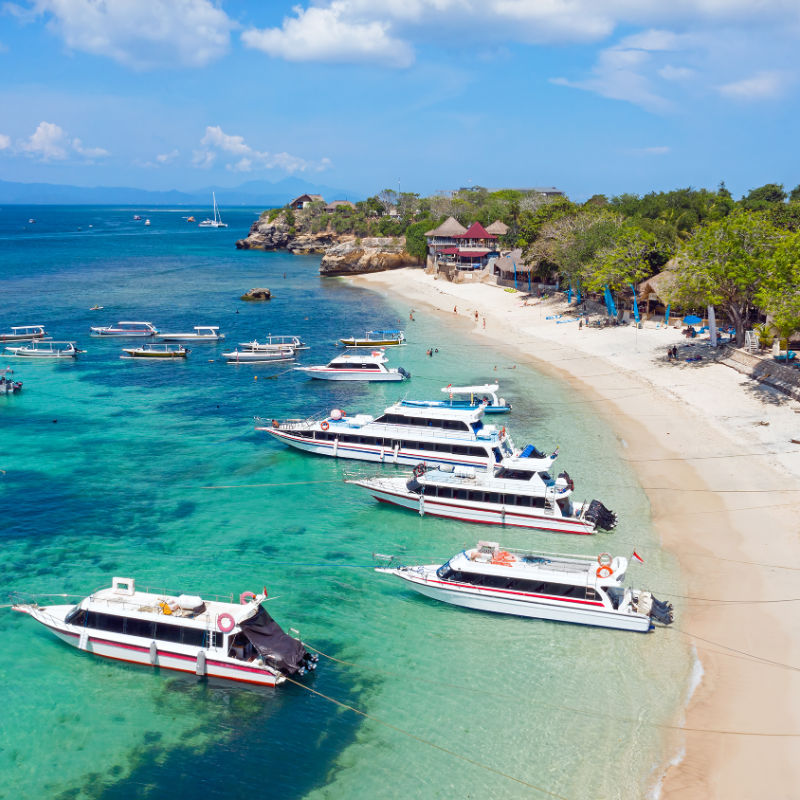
(416, 244)
(724, 264)
(794, 195)
(627, 261)
(762, 198)
(779, 293)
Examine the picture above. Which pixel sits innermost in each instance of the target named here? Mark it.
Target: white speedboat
(202, 333)
(217, 221)
(259, 356)
(7, 385)
(147, 223)
(400, 435)
(214, 638)
(126, 328)
(45, 349)
(354, 367)
(276, 342)
(562, 588)
(519, 493)
(153, 350)
(24, 333)
(376, 339)
(469, 397)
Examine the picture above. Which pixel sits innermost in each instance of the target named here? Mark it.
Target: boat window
(545, 476)
(76, 617)
(509, 474)
(444, 491)
(478, 452)
(139, 627)
(497, 455)
(168, 633)
(460, 494)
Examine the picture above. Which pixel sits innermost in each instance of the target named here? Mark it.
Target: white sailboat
(217, 221)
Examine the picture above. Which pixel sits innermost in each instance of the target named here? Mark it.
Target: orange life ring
(246, 597)
(228, 620)
(324, 425)
(604, 559)
(604, 571)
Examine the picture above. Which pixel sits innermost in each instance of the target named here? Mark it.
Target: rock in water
(257, 294)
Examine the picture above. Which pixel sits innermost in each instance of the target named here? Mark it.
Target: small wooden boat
(24, 333)
(202, 333)
(190, 219)
(162, 351)
(259, 356)
(376, 339)
(126, 328)
(45, 349)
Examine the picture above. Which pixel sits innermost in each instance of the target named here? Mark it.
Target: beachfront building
(454, 248)
(305, 200)
(331, 208)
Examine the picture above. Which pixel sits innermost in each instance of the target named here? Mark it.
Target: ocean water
(154, 471)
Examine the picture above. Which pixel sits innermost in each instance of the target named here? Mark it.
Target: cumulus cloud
(141, 34)
(5, 141)
(216, 143)
(670, 73)
(167, 158)
(50, 142)
(761, 86)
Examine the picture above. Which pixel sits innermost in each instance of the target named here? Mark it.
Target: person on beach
(580, 324)
(411, 315)
(484, 323)
(455, 309)
(476, 315)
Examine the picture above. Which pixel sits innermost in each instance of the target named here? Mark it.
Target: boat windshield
(509, 474)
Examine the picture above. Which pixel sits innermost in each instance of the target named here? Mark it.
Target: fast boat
(126, 328)
(214, 638)
(24, 333)
(45, 349)
(355, 367)
(518, 492)
(259, 356)
(474, 396)
(276, 342)
(376, 339)
(137, 218)
(217, 221)
(162, 351)
(400, 435)
(202, 333)
(7, 385)
(551, 586)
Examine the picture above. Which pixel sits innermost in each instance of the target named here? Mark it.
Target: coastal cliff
(342, 253)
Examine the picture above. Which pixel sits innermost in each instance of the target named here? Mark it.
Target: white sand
(725, 495)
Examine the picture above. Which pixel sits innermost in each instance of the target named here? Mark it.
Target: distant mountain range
(251, 193)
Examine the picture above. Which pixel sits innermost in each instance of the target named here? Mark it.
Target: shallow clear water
(108, 465)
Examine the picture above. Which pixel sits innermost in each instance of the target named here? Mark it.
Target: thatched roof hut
(450, 228)
(498, 228)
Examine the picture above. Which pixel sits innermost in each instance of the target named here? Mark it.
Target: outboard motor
(661, 611)
(600, 516)
(404, 372)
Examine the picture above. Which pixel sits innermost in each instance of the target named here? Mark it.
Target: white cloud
(141, 33)
(324, 34)
(166, 158)
(5, 141)
(50, 142)
(761, 86)
(670, 73)
(216, 143)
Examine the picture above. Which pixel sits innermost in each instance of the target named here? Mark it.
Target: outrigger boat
(45, 349)
(484, 395)
(376, 339)
(276, 343)
(126, 328)
(24, 333)
(562, 588)
(259, 356)
(213, 638)
(518, 492)
(150, 350)
(8, 386)
(202, 333)
(400, 435)
(354, 367)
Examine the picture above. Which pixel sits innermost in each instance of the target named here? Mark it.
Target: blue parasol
(691, 319)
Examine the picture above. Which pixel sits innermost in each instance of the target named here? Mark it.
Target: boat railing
(434, 433)
(290, 424)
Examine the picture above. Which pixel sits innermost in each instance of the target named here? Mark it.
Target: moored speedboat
(126, 328)
(562, 588)
(519, 493)
(398, 436)
(354, 367)
(162, 351)
(7, 385)
(45, 349)
(469, 397)
(376, 339)
(24, 333)
(202, 333)
(185, 633)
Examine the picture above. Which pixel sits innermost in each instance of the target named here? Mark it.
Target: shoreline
(695, 435)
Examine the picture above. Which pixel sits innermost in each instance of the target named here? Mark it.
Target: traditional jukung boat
(214, 638)
(202, 333)
(562, 588)
(400, 435)
(468, 397)
(276, 342)
(126, 328)
(259, 356)
(45, 349)
(518, 492)
(162, 351)
(376, 339)
(354, 367)
(24, 333)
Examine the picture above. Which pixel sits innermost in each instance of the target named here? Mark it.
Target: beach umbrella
(635, 305)
(569, 294)
(691, 319)
(666, 315)
(610, 307)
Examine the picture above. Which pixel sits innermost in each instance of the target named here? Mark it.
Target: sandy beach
(712, 450)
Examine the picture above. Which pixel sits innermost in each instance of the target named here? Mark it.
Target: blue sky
(587, 95)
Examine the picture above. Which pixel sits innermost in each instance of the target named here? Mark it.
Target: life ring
(225, 622)
(274, 423)
(246, 597)
(604, 559)
(604, 571)
(324, 425)
(419, 470)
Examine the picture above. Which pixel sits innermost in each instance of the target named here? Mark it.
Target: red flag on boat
(265, 591)
(635, 555)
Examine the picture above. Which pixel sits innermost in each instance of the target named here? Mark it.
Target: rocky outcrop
(306, 244)
(257, 294)
(358, 256)
(266, 235)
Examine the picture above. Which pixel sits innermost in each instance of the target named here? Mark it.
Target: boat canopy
(487, 388)
(206, 327)
(27, 327)
(278, 649)
(391, 333)
(131, 322)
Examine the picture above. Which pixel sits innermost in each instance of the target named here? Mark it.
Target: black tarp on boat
(278, 649)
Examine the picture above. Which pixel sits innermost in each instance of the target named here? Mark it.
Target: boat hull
(187, 337)
(480, 599)
(19, 353)
(325, 374)
(121, 334)
(13, 337)
(484, 514)
(439, 404)
(371, 343)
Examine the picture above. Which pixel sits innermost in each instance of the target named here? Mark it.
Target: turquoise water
(108, 466)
